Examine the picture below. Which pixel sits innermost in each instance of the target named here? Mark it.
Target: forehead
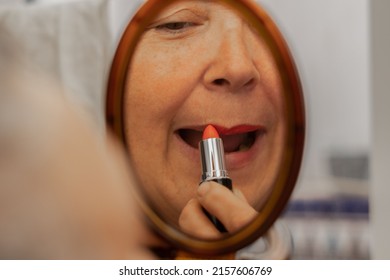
(202, 7)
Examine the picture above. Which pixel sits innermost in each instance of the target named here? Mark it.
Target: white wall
(330, 42)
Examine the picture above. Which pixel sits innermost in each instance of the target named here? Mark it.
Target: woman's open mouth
(237, 139)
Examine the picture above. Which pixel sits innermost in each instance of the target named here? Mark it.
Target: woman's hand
(65, 190)
(230, 207)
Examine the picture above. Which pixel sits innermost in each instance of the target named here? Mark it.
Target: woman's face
(200, 63)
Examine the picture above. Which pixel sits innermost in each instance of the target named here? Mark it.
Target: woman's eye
(174, 26)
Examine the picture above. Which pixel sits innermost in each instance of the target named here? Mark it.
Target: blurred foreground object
(65, 191)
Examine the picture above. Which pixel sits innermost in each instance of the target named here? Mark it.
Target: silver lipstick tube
(212, 159)
(213, 169)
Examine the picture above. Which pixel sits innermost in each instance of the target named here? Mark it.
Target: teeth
(243, 147)
(247, 144)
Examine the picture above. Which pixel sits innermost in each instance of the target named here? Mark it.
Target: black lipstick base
(226, 182)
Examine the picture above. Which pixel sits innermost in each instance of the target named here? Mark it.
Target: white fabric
(121, 12)
(69, 41)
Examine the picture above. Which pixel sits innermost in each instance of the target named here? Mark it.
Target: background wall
(342, 51)
(330, 42)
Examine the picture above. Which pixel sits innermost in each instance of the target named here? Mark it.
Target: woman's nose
(232, 68)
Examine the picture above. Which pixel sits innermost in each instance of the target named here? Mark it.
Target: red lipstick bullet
(213, 164)
(210, 132)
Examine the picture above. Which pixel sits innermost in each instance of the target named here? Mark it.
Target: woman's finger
(193, 221)
(231, 209)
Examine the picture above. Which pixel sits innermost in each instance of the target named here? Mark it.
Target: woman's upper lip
(238, 129)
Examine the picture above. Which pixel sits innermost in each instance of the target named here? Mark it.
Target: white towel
(69, 41)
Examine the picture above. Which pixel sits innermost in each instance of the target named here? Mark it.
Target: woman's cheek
(147, 90)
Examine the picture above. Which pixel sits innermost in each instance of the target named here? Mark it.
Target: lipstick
(212, 158)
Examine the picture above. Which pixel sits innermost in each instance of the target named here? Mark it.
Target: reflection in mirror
(200, 63)
(190, 64)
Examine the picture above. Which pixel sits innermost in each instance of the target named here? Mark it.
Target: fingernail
(203, 188)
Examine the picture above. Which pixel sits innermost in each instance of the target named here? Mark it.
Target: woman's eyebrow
(198, 6)
(196, 9)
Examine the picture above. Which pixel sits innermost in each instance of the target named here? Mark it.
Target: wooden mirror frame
(290, 166)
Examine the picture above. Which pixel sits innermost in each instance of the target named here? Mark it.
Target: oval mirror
(181, 66)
